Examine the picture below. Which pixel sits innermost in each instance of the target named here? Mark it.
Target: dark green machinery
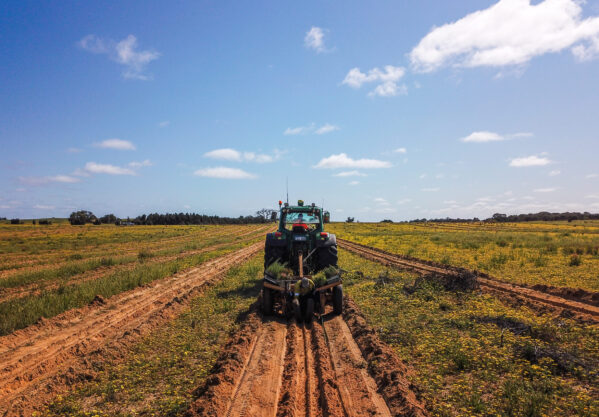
(301, 244)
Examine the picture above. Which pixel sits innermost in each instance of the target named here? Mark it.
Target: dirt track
(272, 367)
(585, 310)
(42, 360)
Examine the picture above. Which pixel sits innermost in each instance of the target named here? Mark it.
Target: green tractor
(305, 249)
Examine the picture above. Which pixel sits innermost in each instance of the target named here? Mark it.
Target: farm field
(175, 331)
(556, 254)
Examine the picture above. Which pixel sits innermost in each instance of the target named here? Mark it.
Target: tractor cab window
(310, 219)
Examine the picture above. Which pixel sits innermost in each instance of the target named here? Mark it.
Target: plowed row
(272, 367)
(583, 307)
(42, 360)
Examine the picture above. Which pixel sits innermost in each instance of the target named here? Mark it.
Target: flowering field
(472, 354)
(558, 254)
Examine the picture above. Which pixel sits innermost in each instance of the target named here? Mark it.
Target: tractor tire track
(489, 284)
(274, 368)
(42, 360)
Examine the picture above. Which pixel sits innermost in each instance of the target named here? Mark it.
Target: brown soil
(43, 360)
(566, 301)
(271, 367)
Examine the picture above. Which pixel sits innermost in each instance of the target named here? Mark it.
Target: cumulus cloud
(554, 172)
(125, 52)
(590, 176)
(66, 179)
(430, 190)
(400, 150)
(314, 39)
(43, 207)
(326, 128)
(229, 154)
(95, 168)
(510, 32)
(343, 161)
(224, 173)
(354, 182)
(119, 144)
(544, 190)
(164, 123)
(485, 136)
(385, 79)
(529, 161)
(349, 174)
(311, 128)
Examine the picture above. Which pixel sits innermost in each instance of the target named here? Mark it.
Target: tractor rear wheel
(327, 256)
(338, 299)
(273, 254)
(266, 301)
(309, 310)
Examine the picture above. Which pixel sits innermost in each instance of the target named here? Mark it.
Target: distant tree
(15, 221)
(350, 220)
(82, 217)
(45, 222)
(108, 218)
(387, 221)
(33, 221)
(266, 214)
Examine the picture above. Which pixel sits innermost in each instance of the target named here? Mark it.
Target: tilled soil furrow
(7, 294)
(357, 389)
(493, 285)
(32, 357)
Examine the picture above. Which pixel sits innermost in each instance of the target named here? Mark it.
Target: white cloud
(164, 123)
(311, 128)
(510, 32)
(400, 150)
(386, 80)
(124, 52)
(43, 207)
(430, 190)
(529, 161)
(594, 196)
(354, 182)
(326, 128)
(484, 136)
(119, 144)
(73, 150)
(95, 168)
(589, 176)
(314, 39)
(554, 172)
(225, 153)
(349, 174)
(544, 190)
(145, 163)
(49, 179)
(224, 173)
(404, 201)
(380, 200)
(343, 161)
(229, 154)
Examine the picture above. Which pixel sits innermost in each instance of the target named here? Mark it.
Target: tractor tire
(266, 301)
(327, 256)
(309, 311)
(338, 299)
(272, 254)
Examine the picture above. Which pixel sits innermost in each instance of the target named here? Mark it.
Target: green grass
(22, 312)
(474, 355)
(158, 375)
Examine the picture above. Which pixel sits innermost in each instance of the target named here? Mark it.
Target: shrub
(575, 260)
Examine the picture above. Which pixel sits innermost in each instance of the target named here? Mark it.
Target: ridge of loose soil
(42, 360)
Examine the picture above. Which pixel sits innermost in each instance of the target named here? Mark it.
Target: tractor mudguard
(331, 241)
(274, 242)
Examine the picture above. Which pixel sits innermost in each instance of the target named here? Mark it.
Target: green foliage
(278, 270)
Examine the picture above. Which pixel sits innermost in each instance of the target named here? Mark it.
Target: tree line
(84, 217)
(542, 216)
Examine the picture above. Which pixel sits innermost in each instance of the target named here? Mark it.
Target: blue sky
(383, 110)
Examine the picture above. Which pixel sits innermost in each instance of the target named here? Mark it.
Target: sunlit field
(558, 254)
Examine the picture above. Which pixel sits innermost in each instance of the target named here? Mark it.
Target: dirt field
(417, 337)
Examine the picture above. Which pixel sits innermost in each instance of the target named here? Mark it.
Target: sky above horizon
(386, 110)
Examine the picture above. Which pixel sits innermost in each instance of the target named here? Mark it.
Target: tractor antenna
(287, 185)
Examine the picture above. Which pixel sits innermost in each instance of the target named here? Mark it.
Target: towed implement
(301, 248)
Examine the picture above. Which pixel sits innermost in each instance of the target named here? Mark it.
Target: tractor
(305, 249)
